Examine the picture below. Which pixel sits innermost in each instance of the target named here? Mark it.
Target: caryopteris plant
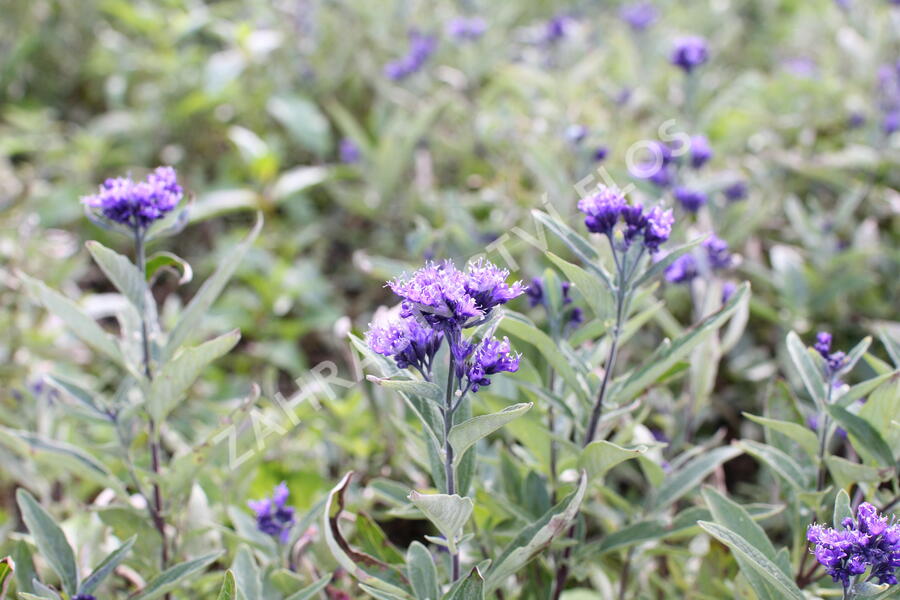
(128, 415)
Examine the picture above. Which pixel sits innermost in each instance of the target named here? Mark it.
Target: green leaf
(590, 285)
(304, 122)
(449, 513)
(691, 474)
(208, 292)
(466, 434)
(880, 409)
(422, 389)
(470, 587)
(656, 268)
(809, 371)
(50, 540)
(311, 590)
(805, 438)
(246, 574)
(672, 352)
(106, 567)
(755, 559)
(842, 509)
(597, 458)
(171, 577)
(122, 274)
(78, 322)
(535, 537)
(178, 375)
(365, 568)
(846, 473)
(160, 261)
(422, 573)
(228, 591)
(778, 461)
(7, 570)
(578, 245)
(519, 326)
(863, 436)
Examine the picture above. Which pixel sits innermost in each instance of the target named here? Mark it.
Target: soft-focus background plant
(296, 110)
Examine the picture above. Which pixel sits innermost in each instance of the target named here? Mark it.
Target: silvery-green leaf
(535, 537)
(228, 590)
(49, 539)
(755, 559)
(449, 513)
(78, 322)
(160, 261)
(805, 438)
(592, 288)
(122, 274)
(470, 587)
(171, 577)
(598, 457)
(809, 371)
(686, 478)
(422, 389)
(208, 292)
(422, 573)
(578, 245)
(246, 574)
(842, 509)
(106, 566)
(785, 466)
(865, 438)
(176, 376)
(466, 434)
(312, 590)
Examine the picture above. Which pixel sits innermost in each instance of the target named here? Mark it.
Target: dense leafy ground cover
(666, 344)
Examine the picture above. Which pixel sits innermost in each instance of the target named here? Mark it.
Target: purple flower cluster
(349, 152)
(421, 47)
(871, 542)
(556, 29)
(716, 256)
(690, 52)
(701, 151)
(604, 210)
(273, 516)
(83, 597)
(690, 199)
(409, 343)
(137, 204)
(735, 191)
(447, 299)
(478, 363)
(639, 15)
(833, 360)
(466, 28)
(439, 301)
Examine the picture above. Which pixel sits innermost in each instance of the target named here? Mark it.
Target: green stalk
(448, 453)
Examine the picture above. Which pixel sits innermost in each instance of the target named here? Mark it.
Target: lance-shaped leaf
(785, 466)
(599, 457)
(692, 473)
(209, 291)
(577, 244)
(171, 577)
(470, 587)
(422, 572)
(805, 438)
(365, 568)
(50, 540)
(662, 264)
(422, 389)
(534, 538)
(449, 513)
(246, 574)
(806, 366)
(106, 567)
(175, 377)
(467, 433)
(312, 590)
(756, 560)
(228, 591)
(864, 436)
(842, 509)
(590, 285)
(670, 353)
(122, 274)
(78, 321)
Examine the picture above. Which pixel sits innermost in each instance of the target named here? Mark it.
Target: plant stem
(823, 439)
(448, 454)
(157, 502)
(591, 430)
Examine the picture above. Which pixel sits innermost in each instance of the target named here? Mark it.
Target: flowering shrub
(629, 272)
